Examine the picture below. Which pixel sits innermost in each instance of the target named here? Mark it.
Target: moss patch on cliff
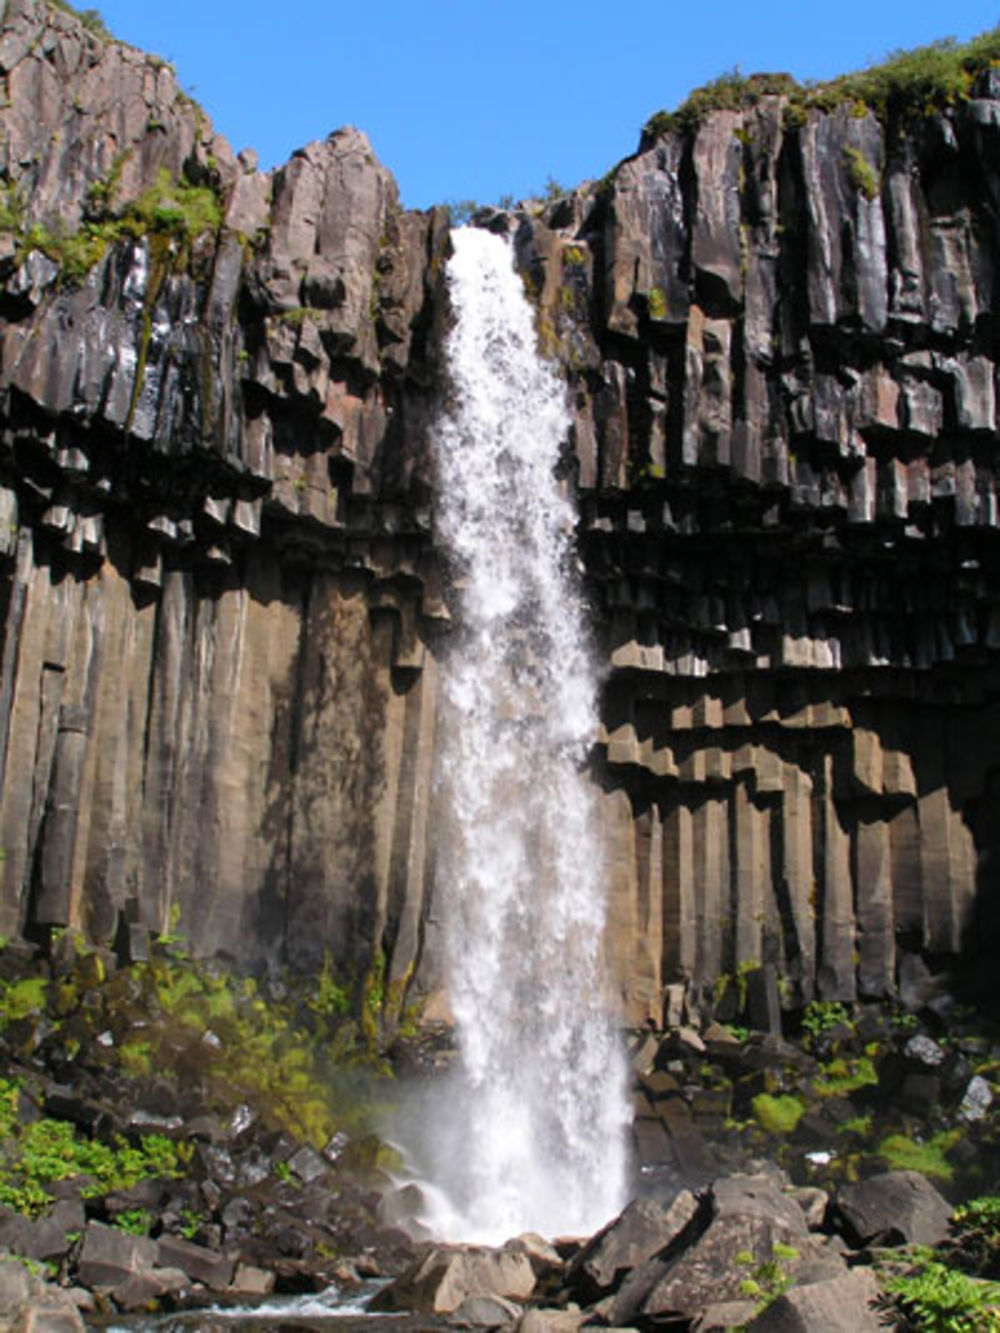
(907, 83)
(176, 211)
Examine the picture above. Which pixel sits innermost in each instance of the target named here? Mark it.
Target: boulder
(31, 1306)
(486, 1312)
(108, 1257)
(744, 1215)
(551, 1321)
(140, 1290)
(895, 1208)
(447, 1275)
(723, 1316)
(841, 1304)
(199, 1263)
(248, 1280)
(642, 1230)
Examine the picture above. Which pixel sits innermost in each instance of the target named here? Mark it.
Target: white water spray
(533, 1137)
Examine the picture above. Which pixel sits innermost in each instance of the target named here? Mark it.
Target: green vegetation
(731, 91)
(842, 1077)
(136, 1221)
(820, 1016)
(938, 1299)
(975, 1242)
(861, 173)
(175, 212)
(328, 999)
(298, 315)
(656, 302)
(90, 18)
(905, 84)
(18, 999)
(769, 1278)
(858, 1124)
(777, 1114)
(34, 1155)
(901, 1153)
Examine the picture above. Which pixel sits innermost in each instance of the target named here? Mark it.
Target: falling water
(537, 1119)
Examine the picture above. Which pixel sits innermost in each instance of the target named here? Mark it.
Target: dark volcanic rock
(745, 1215)
(897, 1208)
(642, 1230)
(446, 1276)
(224, 606)
(842, 1304)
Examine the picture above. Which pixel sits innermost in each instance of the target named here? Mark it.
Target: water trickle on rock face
(534, 1135)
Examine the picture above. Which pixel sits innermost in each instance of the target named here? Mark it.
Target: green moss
(298, 315)
(373, 998)
(901, 1153)
(861, 173)
(777, 1114)
(170, 211)
(18, 999)
(859, 1124)
(842, 1077)
(657, 303)
(102, 195)
(11, 209)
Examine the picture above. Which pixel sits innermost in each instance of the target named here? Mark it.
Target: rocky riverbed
(176, 1136)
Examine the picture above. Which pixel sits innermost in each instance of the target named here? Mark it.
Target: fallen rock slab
(895, 1208)
(447, 1275)
(745, 1215)
(551, 1321)
(109, 1257)
(838, 1305)
(643, 1229)
(210, 1267)
(31, 1306)
(486, 1312)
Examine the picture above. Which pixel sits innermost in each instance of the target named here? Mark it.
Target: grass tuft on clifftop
(907, 83)
(90, 18)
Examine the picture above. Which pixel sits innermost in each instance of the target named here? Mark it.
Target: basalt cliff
(224, 609)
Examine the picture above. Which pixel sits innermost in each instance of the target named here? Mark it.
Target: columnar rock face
(218, 586)
(224, 609)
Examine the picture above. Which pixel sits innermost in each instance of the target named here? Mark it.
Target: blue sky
(470, 99)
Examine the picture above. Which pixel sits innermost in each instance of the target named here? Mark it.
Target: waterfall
(533, 1137)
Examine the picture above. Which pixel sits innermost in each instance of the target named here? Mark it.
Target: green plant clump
(907, 83)
(939, 1299)
(842, 1077)
(820, 1016)
(768, 1279)
(861, 173)
(35, 1155)
(905, 1154)
(175, 211)
(731, 91)
(975, 1242)
(777, 1115)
